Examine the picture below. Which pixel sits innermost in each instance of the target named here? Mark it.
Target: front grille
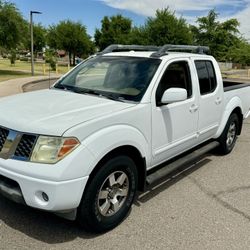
(25, 146)
(13, 141)
(3, 136)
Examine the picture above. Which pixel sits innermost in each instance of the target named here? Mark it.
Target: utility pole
(32, 40)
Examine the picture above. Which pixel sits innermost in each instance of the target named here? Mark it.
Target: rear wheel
(109, 195)
(229, 136)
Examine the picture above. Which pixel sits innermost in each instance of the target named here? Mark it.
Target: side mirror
(174, 95)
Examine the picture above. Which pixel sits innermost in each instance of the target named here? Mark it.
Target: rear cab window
(206, 76)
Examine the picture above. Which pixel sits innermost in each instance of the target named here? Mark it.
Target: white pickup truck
(111, 126)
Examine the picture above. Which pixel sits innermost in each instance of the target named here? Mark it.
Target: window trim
(189, 77)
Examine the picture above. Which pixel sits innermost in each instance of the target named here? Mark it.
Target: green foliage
(39, 38)
(162, 29)
(219, 36)
(240, 53)
(12, 26)
(166, 28)
(114, 30)
(71, 37)
(139, 35)
(223, 38)
(50, 57)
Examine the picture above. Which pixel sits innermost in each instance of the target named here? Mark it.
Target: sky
(91, 12)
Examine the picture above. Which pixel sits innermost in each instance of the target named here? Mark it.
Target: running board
(185, 160)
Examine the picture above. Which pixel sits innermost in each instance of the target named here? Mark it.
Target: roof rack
(158, 51)
(120, 47)
(187, 48)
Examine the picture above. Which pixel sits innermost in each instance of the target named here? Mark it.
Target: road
(206, 206)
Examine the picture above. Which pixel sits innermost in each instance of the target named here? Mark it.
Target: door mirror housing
(174, 95)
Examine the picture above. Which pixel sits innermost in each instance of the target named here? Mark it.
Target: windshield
(120, 78)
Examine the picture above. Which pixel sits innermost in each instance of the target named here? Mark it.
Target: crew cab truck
(83, 148)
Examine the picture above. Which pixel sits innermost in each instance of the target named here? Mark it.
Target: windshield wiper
(100, 94)
(87, 91)
(90, 92)
(114, 98)
(64, 87)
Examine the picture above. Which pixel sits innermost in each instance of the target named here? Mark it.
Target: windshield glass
(124, 78)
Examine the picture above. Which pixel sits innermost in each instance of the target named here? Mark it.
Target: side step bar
(185, 160)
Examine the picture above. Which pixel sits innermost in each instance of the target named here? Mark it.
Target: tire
(229, 136)
(109, 195)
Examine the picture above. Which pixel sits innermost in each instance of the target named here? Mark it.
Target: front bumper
(62, 195)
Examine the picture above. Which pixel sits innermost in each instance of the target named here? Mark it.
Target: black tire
(90, 215)
(231, 130)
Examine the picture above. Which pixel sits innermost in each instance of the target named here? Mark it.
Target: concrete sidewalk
(14, 86)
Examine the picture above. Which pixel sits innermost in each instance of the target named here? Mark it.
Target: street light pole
(32, 40)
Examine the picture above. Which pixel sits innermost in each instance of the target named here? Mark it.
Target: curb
(37, 81)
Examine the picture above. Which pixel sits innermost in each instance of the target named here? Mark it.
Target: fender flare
(107, 139)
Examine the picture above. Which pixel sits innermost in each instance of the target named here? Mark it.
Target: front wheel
(109, 195)
(228, 138)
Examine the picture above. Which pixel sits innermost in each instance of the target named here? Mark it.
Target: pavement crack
(233, 190)
(220, 201)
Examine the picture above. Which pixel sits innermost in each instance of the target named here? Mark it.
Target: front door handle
(193, 108)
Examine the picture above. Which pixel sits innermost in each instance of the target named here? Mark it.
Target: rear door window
(207, 77)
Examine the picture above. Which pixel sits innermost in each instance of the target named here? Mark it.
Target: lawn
(23, 69)
(8, 74)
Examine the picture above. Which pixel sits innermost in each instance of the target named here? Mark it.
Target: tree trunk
(70, 58)
(74, 59)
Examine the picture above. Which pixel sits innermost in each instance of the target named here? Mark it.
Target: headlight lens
(52, 149)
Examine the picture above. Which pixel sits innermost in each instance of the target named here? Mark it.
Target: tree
(114, 30)
(240, 53)
(166, 28)
(139, 35)
(219, 36)
(39, 38)
(71, 37)
(12, 25)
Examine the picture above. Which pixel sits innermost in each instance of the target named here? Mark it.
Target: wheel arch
(133, 153)
(234, 106)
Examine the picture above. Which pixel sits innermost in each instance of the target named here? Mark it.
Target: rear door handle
(193, 108)
(218, 101)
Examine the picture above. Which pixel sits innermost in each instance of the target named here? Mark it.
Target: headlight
(52, 149)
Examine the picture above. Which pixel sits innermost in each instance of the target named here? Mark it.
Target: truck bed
(238, 89)
(231, 85)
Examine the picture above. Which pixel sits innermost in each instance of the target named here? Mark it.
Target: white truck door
(210, 99)
(174, 126)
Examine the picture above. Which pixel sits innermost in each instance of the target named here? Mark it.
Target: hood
(52, 112)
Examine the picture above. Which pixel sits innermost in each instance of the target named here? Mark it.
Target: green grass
(23, 69)
(8, 74)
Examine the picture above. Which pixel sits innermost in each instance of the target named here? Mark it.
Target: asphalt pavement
(205, 206)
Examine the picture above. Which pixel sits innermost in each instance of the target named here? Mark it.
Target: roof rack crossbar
(189, 48)
(119, 47)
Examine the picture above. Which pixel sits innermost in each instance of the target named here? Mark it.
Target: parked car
(110, 126)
